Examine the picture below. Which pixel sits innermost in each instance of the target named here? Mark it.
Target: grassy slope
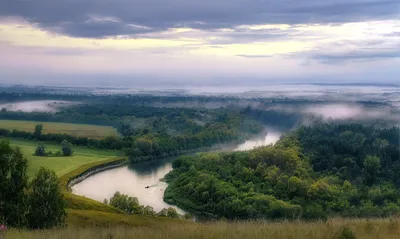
(333, 229)
(84, 212)
(61, 165)
(84, 130)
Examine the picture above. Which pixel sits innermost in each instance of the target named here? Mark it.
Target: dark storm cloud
(102, 18)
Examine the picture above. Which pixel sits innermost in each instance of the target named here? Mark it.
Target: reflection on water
(270, 138)
(130, 180)
(133, 179)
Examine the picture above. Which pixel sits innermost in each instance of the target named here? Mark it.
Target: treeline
(62, 116)
(225, 128)
(110, 142)
(131, 205)
(316, 172)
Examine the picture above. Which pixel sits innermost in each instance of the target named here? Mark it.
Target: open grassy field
(61, 165)
(77, 130)
(333, 229)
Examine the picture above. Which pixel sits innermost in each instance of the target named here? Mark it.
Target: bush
(346, 233)
(66, 148)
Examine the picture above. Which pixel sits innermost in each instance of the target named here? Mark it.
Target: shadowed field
(77, 130)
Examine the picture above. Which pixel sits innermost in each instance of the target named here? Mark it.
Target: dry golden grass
(333, 229)
(77, 130)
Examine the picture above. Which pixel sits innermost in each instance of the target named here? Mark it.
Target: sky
(198, 42)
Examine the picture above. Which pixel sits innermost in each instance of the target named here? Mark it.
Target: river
(134, 179)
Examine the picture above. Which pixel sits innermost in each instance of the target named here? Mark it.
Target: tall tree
(66, 148)
(13, 181)
(38, 131)
(47, 206)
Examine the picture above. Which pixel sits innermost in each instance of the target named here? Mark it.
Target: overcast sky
(202, 42)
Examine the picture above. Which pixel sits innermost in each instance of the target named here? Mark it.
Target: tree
(372, 164)
(168, 212)
(47, 206)
(41, 149)
(13, 182)
(66, 148)
(38, 131)
(124, 202)
(149, 211)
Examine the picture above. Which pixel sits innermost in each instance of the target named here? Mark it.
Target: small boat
(147, 187)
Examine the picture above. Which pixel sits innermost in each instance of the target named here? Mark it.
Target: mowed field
(61, 165)
(77, 130)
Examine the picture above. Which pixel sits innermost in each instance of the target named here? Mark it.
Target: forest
(316, 172)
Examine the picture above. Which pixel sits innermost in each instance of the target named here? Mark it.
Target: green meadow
(60, 165)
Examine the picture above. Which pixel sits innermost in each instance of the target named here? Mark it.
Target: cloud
(360, 50)
(370, 56)
(255, 56)
(104, 18)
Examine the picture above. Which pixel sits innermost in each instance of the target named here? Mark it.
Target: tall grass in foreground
(332, 229)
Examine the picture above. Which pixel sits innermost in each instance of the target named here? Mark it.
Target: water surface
(134, 179)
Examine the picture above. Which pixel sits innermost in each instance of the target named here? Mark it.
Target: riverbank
(85, 171)
(82, 203)
(143, 180)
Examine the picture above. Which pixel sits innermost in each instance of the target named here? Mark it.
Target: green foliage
(149, 211)
(13, 182)
(128, 204)
(371, 164)
(38, 131)
(66, 148)
(47, 206)
(316, 172)
(38, 206)
(168, 212)
(149, 132)
(41, 149)
(131, 205)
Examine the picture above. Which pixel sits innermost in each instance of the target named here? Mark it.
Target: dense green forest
(315, 172)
